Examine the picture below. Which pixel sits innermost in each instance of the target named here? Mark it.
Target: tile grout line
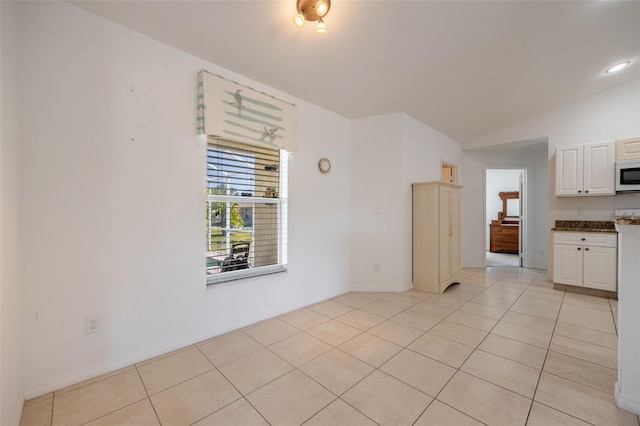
(225, 377)
(337, 397)
(242, 396)
(115, 411)
(92, 381)
(53, 404)
(402, 347)
(376, 368)
(459, 369)
(567, 414)
(294, 368)
(153, 407)
(111, 412)
(571, 356)
(435, 398)
(581, 359)
(406, 346)
(543, 362)
(546, 355)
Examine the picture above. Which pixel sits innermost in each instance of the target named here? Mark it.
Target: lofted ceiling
(465, 68)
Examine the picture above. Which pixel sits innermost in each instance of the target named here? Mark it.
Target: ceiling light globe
(298, 20)
(617, 67)
(321, 28)
(322, 8)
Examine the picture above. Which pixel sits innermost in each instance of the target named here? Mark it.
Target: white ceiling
(465, 68)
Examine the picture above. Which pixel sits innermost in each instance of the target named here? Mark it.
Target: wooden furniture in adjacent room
(504, 233)
(436, 235)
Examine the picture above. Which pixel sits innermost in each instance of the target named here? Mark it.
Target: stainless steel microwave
(628, 175)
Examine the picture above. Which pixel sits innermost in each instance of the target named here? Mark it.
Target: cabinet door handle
(579, 248)
(586, 192)
(586, 248)
(579, 191)
(583, 239)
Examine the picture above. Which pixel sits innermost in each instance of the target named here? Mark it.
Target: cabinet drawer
(587, 238)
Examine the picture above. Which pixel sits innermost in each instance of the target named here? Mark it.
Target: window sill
(245, 273)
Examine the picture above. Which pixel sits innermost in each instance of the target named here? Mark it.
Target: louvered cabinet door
(445, 233)
(455, 241)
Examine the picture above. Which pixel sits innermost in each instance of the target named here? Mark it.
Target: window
(246, 210)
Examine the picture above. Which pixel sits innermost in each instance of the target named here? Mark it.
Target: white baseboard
(629, 404)
(79, 375)
(17, 414)
(396, 288)
(76, 376)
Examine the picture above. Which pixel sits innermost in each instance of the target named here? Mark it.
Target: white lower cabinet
(567, 264)
(600, 268)
(585, 259)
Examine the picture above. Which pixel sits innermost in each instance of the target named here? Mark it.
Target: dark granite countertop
(585, 226)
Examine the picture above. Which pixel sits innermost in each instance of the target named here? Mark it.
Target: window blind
(246, 209)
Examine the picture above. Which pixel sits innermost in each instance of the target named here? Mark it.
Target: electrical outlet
(580, 211)
(91, 325)
(376, 210)
(376, 267)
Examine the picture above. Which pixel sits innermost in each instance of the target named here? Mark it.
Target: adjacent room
(319, 212)
(504, 202)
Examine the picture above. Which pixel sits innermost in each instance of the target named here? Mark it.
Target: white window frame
(282, 214)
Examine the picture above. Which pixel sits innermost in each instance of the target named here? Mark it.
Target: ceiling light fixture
(617, 67)
(313, 11)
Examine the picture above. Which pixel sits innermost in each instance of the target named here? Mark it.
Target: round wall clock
(324, 165)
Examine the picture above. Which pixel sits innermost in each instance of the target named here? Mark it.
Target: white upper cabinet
(627, 149)
(599, 168)
(585, 170)
(569, 165)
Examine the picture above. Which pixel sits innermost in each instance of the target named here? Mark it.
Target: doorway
(505, 216)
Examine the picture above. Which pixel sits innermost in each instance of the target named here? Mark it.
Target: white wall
(424, 150)
(376, 181)
(389, 153)
(113, 193)
(612, 114)
(474, 228)
(498, 180)
(11, 355)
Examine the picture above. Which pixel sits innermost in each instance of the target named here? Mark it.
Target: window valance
(230, 110)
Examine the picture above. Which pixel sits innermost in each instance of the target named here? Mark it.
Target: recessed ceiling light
(617, 67)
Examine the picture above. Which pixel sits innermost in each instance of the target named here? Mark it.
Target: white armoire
(436, 235)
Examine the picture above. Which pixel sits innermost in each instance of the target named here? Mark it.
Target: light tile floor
(503, 347)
